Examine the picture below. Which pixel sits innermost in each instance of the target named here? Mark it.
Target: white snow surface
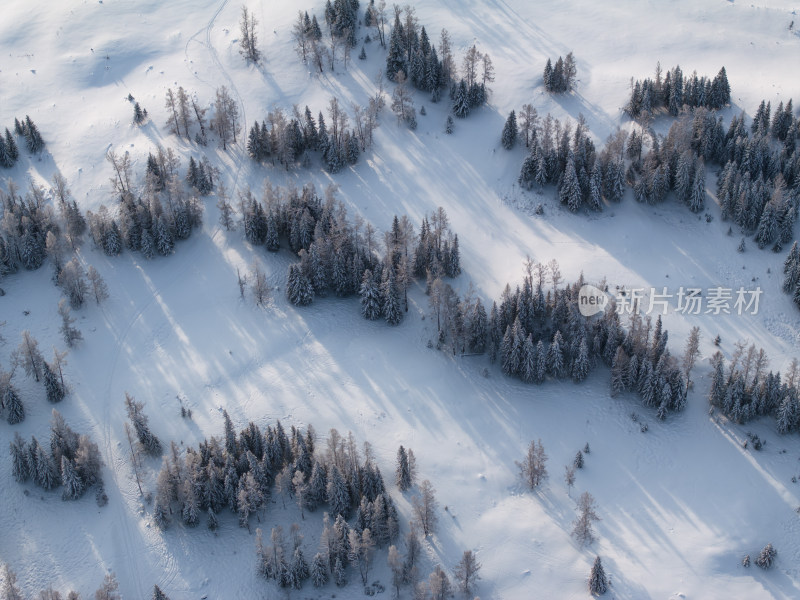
(680, 504)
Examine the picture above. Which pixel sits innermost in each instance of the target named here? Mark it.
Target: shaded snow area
(680, 503)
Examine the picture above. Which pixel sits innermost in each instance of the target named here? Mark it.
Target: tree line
(289, 140)
(70, 461)
(744, 390)
(9, 150)
(674, 91)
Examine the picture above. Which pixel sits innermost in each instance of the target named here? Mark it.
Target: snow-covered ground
(680, 504)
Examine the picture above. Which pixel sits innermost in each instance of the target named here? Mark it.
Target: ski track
(118, 465)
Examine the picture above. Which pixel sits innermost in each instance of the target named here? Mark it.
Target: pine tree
(32, 136)
(9, 398)
(158, 594)
(53, 387)
(20, 465)
(71, 334)
(403, 472)
(46, 475)
(299, 290)
(698, 194)
(766, 557)
(578, 461)
(339, 573)
(580, 368)
(139, 115)
(73, 485)
(555, 357)
(570, 191)
(509, 135)
(337, 493)
(371, 308)
(461, 104)
(598, 582)
(392, 306)
(319, 570)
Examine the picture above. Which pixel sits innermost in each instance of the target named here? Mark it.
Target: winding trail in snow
(124, 530)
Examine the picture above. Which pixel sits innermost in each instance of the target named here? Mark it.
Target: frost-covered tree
(766, 557)
(532, 469)
(582, 529)
(598, 582)
(248, 42)
(509, 136)
(578, 460)
(139, 420)
(299, 290)
(53, 385)
(71, 335)
(73, 484)
(28, 356)
(108, 591)
(319, 570)
(403, 472)
(424, 506)
(20, 460)
(439, 584)
(467, 572)
(10, 590)
(371, 305)
(97, 284)
(10, 401)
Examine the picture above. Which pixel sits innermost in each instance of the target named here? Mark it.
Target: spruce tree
(509, 135)
(9, 398)
(371, 305)
(598, 582)
(403, 473)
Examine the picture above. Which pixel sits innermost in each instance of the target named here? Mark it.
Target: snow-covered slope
(680, 504)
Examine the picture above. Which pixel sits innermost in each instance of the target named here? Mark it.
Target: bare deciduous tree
(532, 468)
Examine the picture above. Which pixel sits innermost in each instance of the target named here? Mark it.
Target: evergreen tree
(403, 472)
(509, 135)
(158, 594)
(338, 495)
(555, 357)
(580, 368)
(73, 485)
(53, 386)
(299, 290)
(9, 398)
(32, 136)
(371, 305)
(570, 191)
(20, 465)
(319, 570)
(339, 573)
(598, 582)
(578, 461)
(766, 557)
(461, 104)
(392, 307)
